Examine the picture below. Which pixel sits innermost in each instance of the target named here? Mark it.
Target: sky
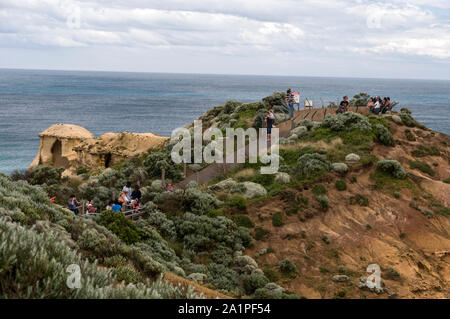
(347, 38)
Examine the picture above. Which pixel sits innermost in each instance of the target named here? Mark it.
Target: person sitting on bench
(343, 106)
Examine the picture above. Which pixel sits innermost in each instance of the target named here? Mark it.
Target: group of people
(377, 105)
(127, 198)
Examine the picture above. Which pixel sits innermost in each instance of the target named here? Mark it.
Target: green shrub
(81, 170)
(383, 135)
(222, 277)
(359, 199)
(261, 233)
(410, 136)
(124, 228)
(253, 282)
(127, 273)
(271, 274)
(341, 185)
(238, 202)
(407, 119)
(202, 233)
(369, 160)
(324, 202)
(115, 261)
(198, 202)
(446, 180)
(35, 266)
(263, 179)
(238, 188)
(44, 175)
(287, 266)
(423, 167)
(346, 122)
(423, 150)
(319, 189)
(172, 170)
(277, 219)
(392, 167)
(243, 220)
(312, 165)
(263, 293)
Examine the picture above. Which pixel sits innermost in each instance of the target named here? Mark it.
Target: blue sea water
(31, 101)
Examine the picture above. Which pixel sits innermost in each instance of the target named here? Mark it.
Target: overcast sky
(355, 38)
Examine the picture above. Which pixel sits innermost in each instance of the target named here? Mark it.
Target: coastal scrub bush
(115, 261)
(287, 266)
(383, 135)
(410, 136)
(40, 271)
(261, 233)
(271, 274)
(446, 180)
(306, 123)
(238, 188)
(127, 273)
(369, 160)
(277, 219)
(81, 170)
(276, 98)
(203, 233)
(222, 277)
(124, 228)
(199, 202)
(164, 225)
(424, 150)
(360, 99)
(253, 282)
(359, 199)
(341, 185)
(319, 189)
(421, 166)
(347, 122)
(238, 202)
(44, 175)
(392, 167)
(259, 119)
(263, 293)
(243, 220)
(312, 165)
(172, 171)
(324, 202)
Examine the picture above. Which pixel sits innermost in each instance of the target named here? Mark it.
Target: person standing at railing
(73, 203)
(290, 102)
(127, 189)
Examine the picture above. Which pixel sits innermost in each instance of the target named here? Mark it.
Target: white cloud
(312, 29)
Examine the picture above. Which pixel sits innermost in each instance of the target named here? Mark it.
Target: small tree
(162, 165)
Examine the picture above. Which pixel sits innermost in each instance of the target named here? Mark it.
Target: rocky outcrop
(70, 146)
(57, 143)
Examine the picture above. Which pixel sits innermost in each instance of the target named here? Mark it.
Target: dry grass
(245, 173)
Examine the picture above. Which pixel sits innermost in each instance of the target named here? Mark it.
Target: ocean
(32, 100)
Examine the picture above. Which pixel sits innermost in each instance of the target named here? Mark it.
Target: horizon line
(229, 74)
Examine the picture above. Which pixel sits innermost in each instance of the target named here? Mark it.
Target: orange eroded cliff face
(404, 228)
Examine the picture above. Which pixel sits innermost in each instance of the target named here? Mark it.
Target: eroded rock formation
(71, 146)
